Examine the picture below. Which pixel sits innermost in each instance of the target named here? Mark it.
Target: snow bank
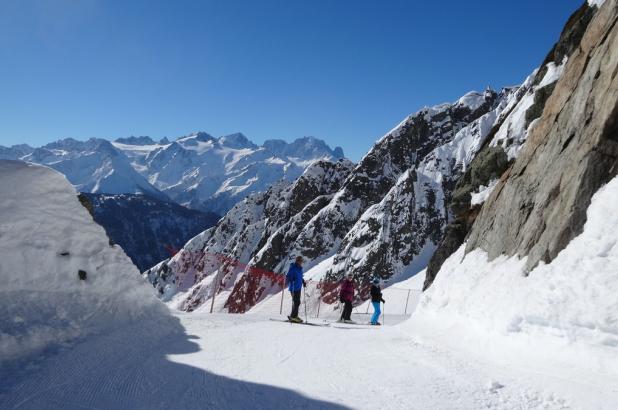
(564, 315)
(46, 238)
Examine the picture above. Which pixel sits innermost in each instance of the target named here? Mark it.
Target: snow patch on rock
(483, 192)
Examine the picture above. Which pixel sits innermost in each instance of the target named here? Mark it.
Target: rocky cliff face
(508, 137)
(539, 204)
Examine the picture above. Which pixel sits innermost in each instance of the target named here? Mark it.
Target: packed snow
(560, 320)
(46, 238)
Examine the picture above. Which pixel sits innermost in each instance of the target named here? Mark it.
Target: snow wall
(46, 238)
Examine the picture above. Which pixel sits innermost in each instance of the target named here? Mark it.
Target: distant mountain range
(198, 171)
(136, 185)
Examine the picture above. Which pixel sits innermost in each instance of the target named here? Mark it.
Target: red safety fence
(255, 283)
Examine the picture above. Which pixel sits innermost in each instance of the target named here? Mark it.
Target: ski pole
(383, 314)
(305, 292)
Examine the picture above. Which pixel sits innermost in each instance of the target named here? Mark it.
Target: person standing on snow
(376, 298)
(295, 281)
(346, 296)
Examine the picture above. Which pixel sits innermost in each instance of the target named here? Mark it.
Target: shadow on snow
(129, 368)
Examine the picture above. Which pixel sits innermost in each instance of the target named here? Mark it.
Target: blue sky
(342, 70)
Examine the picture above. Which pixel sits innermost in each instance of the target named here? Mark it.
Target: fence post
(216, 284)
(407, 299)
(282, 293)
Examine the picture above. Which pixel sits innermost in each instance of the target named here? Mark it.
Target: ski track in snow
(246, 361)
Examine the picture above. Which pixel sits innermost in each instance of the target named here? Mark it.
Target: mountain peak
(133, 140)
(307, 147)
(237, 140)
(474, 99)
(198, 136)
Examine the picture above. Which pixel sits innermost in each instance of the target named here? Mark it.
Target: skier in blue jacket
(295, 281)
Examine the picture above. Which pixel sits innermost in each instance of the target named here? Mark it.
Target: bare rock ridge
(540, 203)
(491, 162)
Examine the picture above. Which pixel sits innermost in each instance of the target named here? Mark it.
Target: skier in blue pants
(376, 298)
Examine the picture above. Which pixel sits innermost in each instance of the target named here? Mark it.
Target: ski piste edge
(302, 323)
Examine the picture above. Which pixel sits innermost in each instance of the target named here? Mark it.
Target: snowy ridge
(408, 166)
(93, 166)
(208, 173)
(252, 233)
(46, 237)
(197, 170)
(387, 217)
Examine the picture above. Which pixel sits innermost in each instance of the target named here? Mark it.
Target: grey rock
(540, 203)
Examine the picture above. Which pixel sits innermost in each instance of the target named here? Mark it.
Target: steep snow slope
(561, 318)
(46, 238)
(395, 237)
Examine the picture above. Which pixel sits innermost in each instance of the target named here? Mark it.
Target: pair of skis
(337, 324)
(300, 323)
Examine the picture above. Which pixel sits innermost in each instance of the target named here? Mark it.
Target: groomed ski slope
(246, 361)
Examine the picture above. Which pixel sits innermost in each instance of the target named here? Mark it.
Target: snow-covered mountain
(518, 189)
(207, 173)
(91, 166)
(264, 225)
(147, 229)
(417, 191)
(197, 171)
(387, 212)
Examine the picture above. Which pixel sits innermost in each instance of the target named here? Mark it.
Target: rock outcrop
(540, 203)
(508, 137)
